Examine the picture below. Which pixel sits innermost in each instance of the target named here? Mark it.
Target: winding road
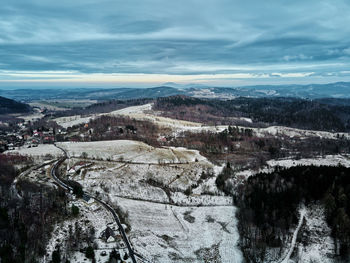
(66, 187)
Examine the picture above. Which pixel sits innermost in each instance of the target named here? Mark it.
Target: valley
(173, 184)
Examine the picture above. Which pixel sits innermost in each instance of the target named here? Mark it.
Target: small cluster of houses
(22, 134)
(43, 136)
(8, 141)
(109, 236)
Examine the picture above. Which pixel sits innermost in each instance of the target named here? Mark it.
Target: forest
(26, 221)
(268, 205)
(327, 115)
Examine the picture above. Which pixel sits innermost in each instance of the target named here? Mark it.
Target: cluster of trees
(292, 112)
(240, 146)
(197, 110)
(234, 144)
(268, 205)
(7, 160)
(211, 142)
(115, 257)
(118, 127)
(8, 123)
(222, 178)
(77, 240)
(43, 125)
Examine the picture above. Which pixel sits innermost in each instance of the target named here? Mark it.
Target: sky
(100, 43)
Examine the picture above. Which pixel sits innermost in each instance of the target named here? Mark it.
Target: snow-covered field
(70, 121)
(130, 151)
(293, 132)
(31, 117)
(39, 151)
(165, 233)
(140, 171)
(133, 110)
(131, 180)
(328, 160)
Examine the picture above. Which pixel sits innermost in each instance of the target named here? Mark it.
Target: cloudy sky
(150, 42)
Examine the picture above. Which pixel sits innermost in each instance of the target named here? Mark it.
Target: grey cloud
(173, 37)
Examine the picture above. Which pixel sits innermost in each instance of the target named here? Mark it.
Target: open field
(61, 104)
(39, 151)
(130, 151)
(164, 233)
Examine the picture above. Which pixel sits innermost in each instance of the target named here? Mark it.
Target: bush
(78, 190)
(226, 173)
(56, 256)
(90, 253)
(75, 210)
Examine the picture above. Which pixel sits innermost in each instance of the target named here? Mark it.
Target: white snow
(319, 245)
(40, 150)
(327, 160)
(293, 132)
(302, 212)
(162, 234)
(208, 200)
(133, 110)
(131, 151)
(70, 121)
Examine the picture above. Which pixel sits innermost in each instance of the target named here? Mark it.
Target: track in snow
(295, 235)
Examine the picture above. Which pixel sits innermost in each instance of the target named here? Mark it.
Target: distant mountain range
(311, 91)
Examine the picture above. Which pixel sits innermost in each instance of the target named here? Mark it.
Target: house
(108, 235)
(49, 139)
(88, 200)
(110, 239)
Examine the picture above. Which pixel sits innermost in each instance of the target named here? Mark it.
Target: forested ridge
(8, 106)
(323, 114)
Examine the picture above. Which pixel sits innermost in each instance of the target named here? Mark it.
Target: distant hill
(8, 106)
(338, 90)
(100, 94)
(163, 91)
